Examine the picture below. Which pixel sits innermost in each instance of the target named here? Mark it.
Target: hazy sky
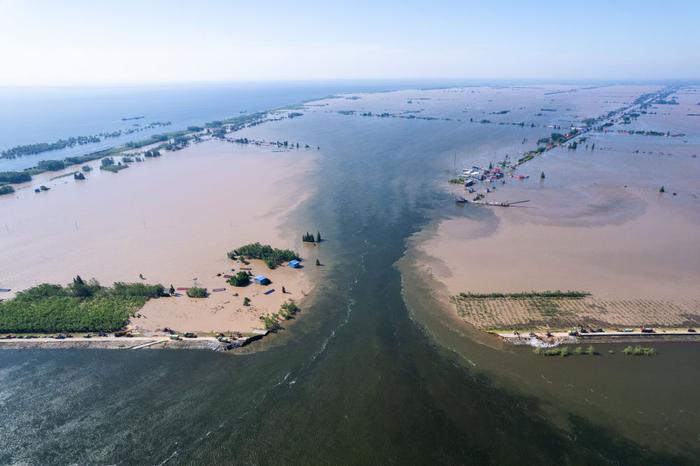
(111, 42)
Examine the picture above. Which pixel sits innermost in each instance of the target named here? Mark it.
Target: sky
(104, 42)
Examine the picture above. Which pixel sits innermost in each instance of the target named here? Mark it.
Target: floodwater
(360, 377)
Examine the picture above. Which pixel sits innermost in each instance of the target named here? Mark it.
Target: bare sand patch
(223, 311)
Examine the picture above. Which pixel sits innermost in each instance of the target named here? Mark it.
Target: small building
(295, 264)
(262, 280)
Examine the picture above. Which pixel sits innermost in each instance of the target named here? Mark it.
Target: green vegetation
(155, 139)
(309, 237)
(639, 351)
(662, 101)
(459, 180)
(108, 164)
(271, 322)
(246, 301)
(557, 138)
(38, 148)
(197, 292)
(527, 295)
(240, 279)
(271, 256)
(6, 190)
(79, 307)
(14, 177)
(564, 351)
(51, 165)
(287, 310)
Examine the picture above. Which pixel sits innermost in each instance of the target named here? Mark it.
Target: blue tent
(295, 264)
(262, 280)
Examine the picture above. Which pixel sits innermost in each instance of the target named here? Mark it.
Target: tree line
(271, 256)
(81, 306)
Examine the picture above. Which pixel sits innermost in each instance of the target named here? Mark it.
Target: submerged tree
(197, 292)
(240, 279)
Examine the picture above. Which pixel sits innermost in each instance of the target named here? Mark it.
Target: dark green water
(354, 381)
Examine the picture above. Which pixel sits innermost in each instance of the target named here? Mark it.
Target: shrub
(288, 309)
(271, 322)
(639, 351)
(197, 292)
(240, 279)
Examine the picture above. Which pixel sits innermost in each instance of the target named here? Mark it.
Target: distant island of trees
(38, 148)
(172, 141)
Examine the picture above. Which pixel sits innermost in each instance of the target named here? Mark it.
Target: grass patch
(639, 351)
(564, 351)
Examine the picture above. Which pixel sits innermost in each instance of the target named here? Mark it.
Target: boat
(460, 200)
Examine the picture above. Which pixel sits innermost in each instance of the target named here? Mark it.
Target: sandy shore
(171, 219)
(223, 311)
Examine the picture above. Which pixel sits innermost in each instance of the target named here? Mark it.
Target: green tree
(197, 292)
(240, 279)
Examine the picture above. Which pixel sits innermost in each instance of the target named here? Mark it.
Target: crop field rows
(524, 313)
